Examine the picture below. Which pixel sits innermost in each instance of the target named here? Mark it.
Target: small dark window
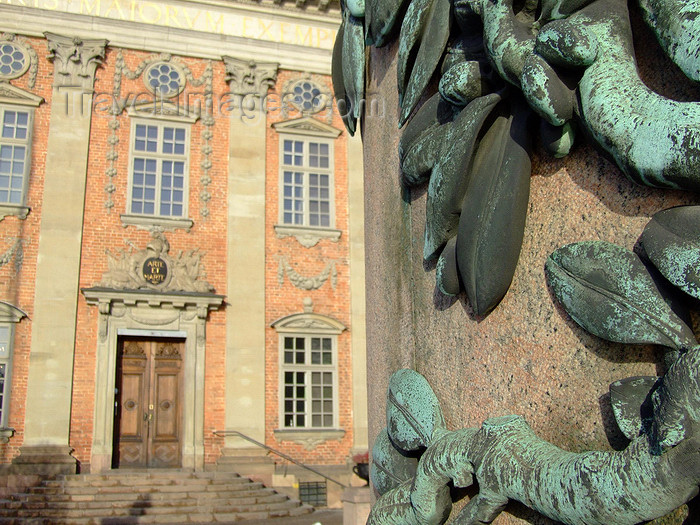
(313, 493)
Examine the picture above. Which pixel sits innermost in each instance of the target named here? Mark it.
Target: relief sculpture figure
(615, 294)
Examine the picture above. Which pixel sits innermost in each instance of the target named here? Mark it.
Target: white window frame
(16, 99)
(26, 142)
(308, 369)
(9, 316)
(6, 383)
(306, 170)
(160, 157)
(163, 114)
(308, 325)
(307, 129)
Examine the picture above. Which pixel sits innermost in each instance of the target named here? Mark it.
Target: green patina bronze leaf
(677, 27)
(608, 291)
(344, 107)
(672, 242)
(553, 9)
(451, 174)
(413, 412)
(390, 468)
(423, 138)
(412, 29)
(446, 272)
(492, 220)
(432, 41)
(353, 62)
(380, 18)
(627, 397)
(394, 508)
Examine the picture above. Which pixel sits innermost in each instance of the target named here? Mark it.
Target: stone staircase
(147, 496)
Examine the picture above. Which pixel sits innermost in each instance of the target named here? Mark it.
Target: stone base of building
(11, 483)
(356, 505)
(45, 460)
(283, 476)
(255, 464)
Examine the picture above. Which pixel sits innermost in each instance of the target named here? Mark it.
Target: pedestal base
(45, 460)
(356, 505)
(253, 463)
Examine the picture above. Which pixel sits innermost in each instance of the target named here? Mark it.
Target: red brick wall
(17, 288)
(103, 231)
(286, 299)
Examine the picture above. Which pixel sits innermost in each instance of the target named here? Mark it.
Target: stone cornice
(105, 297)
(244, 30)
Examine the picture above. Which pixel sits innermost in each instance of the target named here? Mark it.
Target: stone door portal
(148, 416)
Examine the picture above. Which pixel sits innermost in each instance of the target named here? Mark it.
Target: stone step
(124, 497)
(140, 489)
(263, 498)
(140, 482)
(150, 480)
(198, 517)
(68, 500)
(147, 510)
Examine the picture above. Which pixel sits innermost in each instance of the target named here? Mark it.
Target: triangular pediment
(163, 109)
(307, 126)
(10, 94)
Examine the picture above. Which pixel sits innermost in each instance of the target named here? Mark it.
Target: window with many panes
(159, 169)
(15, 145)
(308, 381)
(307, 182)
(5, 355)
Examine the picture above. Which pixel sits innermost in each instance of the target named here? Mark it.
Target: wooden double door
(148, 403)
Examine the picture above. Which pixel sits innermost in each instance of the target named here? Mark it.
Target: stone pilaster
(245, 315)
(356, 204)
(46, 445)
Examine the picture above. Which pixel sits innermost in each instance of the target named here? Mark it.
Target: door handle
(147, 416)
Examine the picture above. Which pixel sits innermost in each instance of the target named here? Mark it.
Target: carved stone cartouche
(155, 269)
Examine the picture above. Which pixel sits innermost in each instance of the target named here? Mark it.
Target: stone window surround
(16, 98)
(9, 315)
(308, 324)
(150, 314)
(159, 113)
(306, 170)
(306, 129)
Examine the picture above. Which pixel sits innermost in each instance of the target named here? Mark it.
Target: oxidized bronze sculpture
(610, 292)
(556, 66)
(504, 67)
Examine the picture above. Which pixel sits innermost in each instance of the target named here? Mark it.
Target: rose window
(307, 97)
(13, 60)
(164, 80)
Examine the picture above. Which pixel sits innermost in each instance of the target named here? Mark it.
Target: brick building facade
(181, 265)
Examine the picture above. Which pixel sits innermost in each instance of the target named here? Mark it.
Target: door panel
(165, 443)
(148, 414)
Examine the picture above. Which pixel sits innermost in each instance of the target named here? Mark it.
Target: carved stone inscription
(155, 270)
